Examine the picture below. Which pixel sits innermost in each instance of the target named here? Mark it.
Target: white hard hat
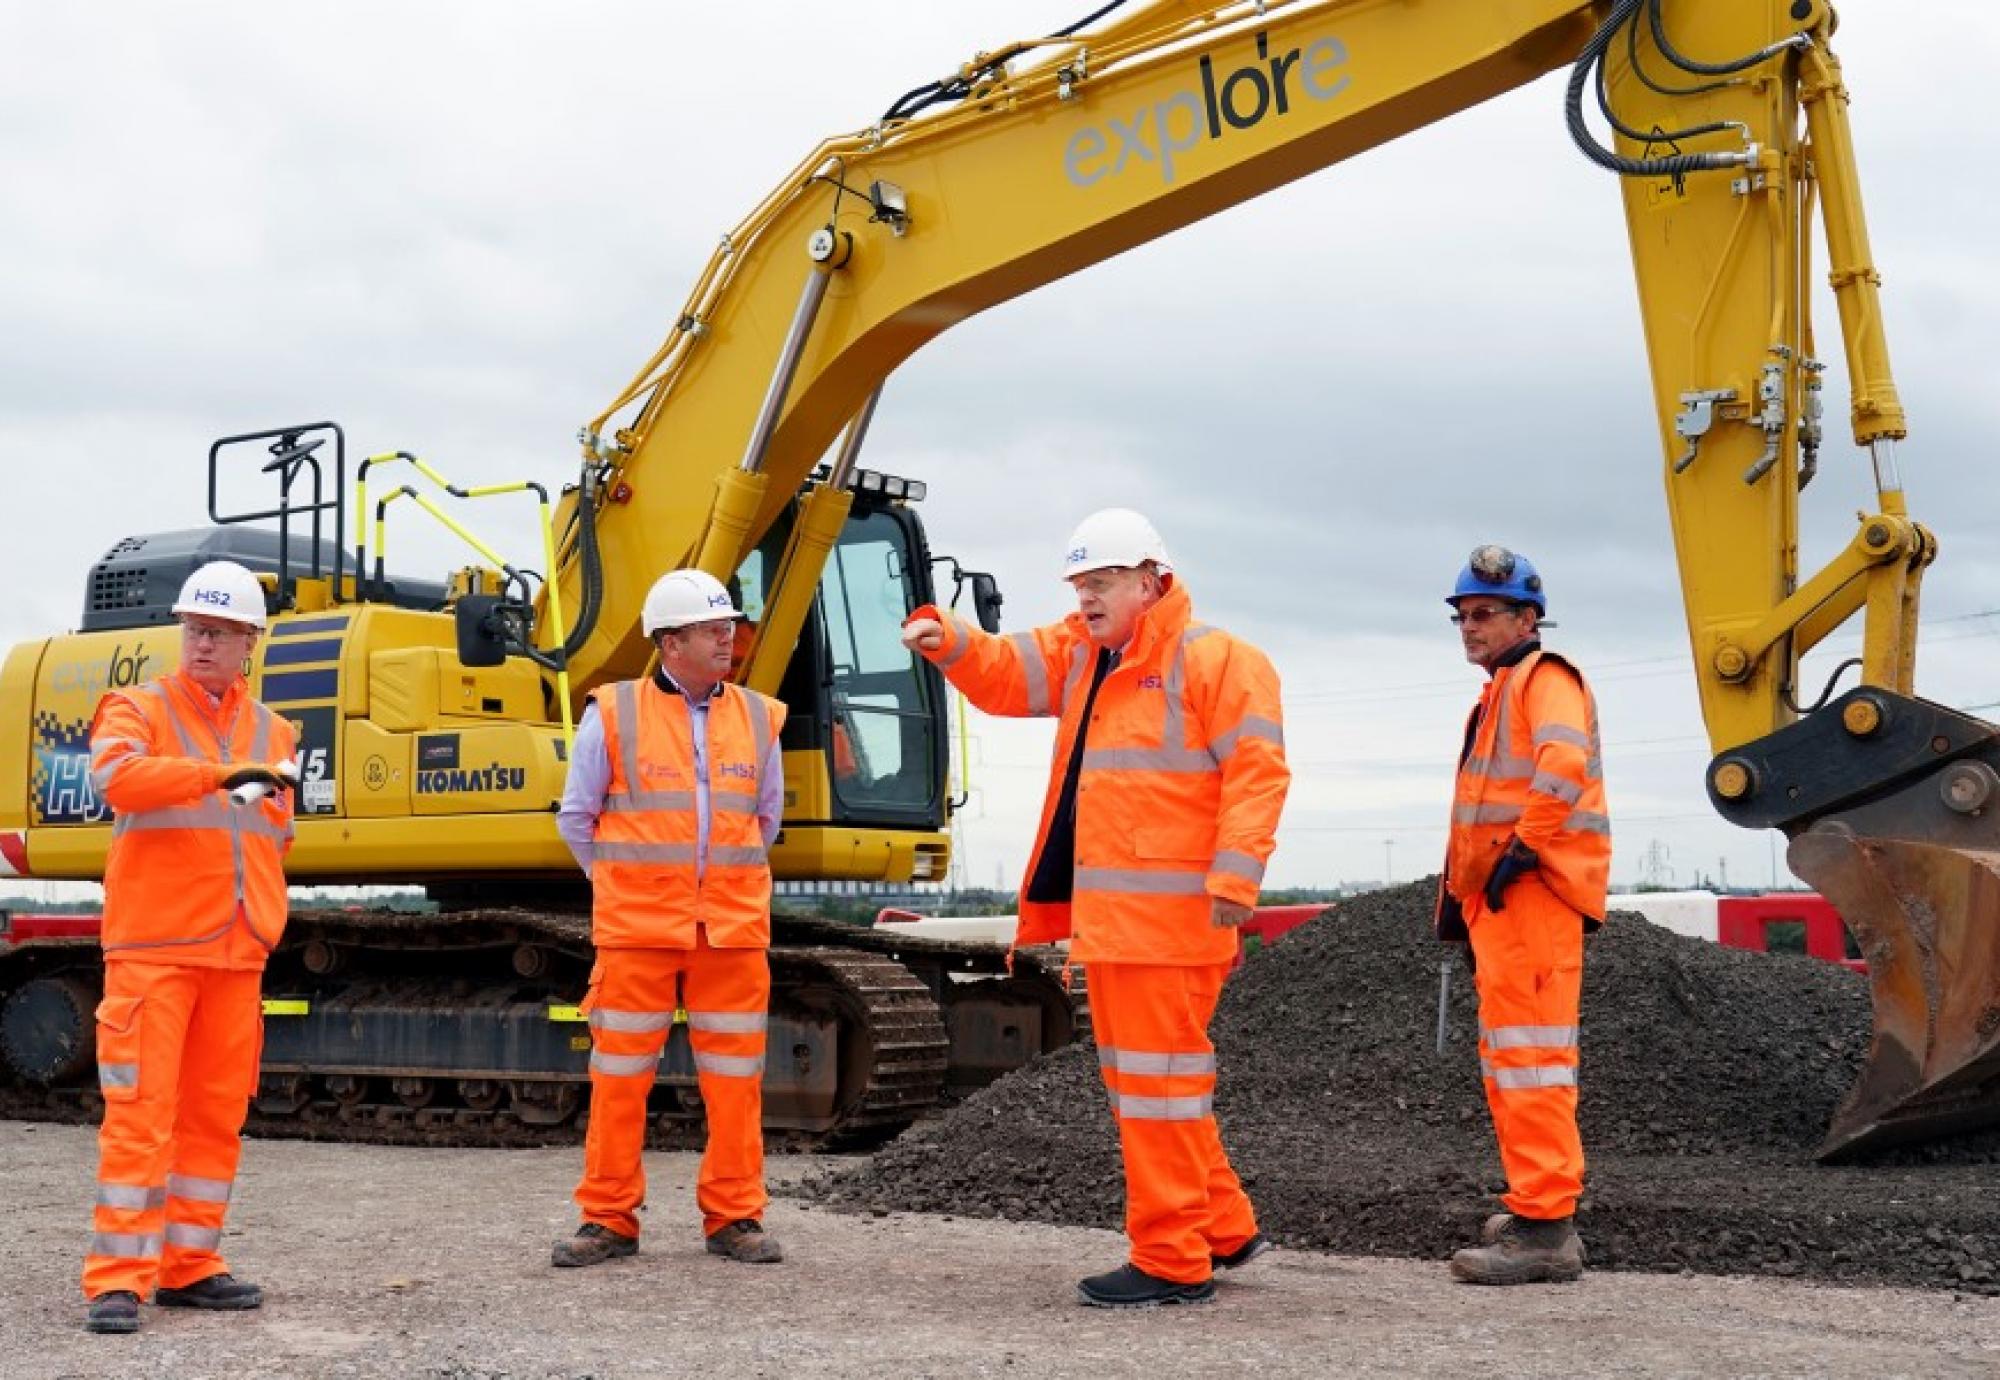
(223, 589)
(681, 597)
(1113, 537)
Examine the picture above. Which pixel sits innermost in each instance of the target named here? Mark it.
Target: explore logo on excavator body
(1154, 134)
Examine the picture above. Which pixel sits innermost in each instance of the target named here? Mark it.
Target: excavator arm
(1728, 136)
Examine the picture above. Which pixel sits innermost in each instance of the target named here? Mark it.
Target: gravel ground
(1709, 1075)
(387, 1262)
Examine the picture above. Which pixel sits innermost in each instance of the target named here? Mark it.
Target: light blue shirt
(590, 780)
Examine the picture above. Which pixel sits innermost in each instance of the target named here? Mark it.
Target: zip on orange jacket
(194, 901)
(1181, 784)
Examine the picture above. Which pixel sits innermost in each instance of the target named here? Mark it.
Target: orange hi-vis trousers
(1183, 1203)
(177, 1051)
(633, 996)
(1529, 959)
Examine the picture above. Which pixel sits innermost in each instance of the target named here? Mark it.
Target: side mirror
(986, 599)
(481, 642)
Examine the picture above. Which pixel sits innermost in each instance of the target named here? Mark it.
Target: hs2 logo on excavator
(1234, 100)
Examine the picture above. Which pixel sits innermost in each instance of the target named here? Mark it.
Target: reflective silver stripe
(200, 1190)
(734, 802)
(729, 1022)
(625, 706)
(760, 732)
(1485, 814)
(260, 737)
(1588, 822)
(1234, 864)
(1531, 1037)
(193, 1238)
(124, 1246)
(1079, 666)
(131, 1197)
(1563, 733)
(1164, 1108)
(1035, 671)
(1177, 761)
(1548, 783)
(729, 1065)
(743, 855)
(631, 1022)
(1144, 883)
(216, 933)
(623, 1065)
(1544, 1077)
(628, 802)
(1146, 1062)
(214, 815)
(1593, 768)
(1500, 767)
(1253, 726)
(101, 772)
(118, 1075)
(961, 643)
(1196, 632)
(644, 852)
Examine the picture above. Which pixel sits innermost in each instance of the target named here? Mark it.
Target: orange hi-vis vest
(1534, 771)
(642, 873)
(1182, 782)
(193, 877)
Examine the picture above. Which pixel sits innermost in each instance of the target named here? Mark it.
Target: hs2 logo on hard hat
(1078, 556)
(1237, 100)
(219, 597)
(718, 601)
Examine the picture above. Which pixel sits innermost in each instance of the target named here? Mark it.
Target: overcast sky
(459, 231)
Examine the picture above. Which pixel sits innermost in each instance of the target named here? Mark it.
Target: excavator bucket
(1893, 808)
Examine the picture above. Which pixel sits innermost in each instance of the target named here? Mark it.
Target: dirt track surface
(395, 1262)
(1709, 1075)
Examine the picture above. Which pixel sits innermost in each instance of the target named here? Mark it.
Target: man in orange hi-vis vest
(675, 792)
(1525, 876)
(1162, 808)
(197, 773)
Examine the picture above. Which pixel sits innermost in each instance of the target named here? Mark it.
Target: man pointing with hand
(1162, 808)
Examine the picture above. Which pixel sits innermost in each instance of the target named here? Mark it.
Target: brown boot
(1489, 1232)
(592, 1245)
(745, 1241)
(1523, 1251)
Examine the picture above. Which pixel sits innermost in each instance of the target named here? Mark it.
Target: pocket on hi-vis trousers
(118, 1027)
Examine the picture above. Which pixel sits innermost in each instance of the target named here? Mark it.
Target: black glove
(259, 776)
(1518, 858)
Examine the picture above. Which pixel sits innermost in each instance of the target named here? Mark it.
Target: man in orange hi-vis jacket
(1162, 808)
(196, 772)
(675, 792)
(1525, 876)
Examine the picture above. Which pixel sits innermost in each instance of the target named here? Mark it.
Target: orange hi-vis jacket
(1182, 782)
(193, 877)
(642, 874)
(1534, 771)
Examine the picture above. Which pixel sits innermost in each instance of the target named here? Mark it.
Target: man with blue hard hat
(1525, 876)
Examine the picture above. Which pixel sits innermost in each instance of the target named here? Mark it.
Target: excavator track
(460, 1029)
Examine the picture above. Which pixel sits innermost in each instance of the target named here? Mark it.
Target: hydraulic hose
(1673, 165)
(593, 565)
(1656, 14)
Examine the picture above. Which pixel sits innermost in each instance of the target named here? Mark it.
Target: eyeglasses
(208, 632)
(1479, 618)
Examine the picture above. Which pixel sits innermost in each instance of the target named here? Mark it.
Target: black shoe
(217, 1291)
(117, 1311)
(592, 1245)
(1128, 1286)
(1243, 1254)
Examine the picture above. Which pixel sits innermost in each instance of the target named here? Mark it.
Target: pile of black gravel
(1709, 1075)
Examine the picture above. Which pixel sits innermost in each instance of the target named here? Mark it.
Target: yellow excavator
(434, 716)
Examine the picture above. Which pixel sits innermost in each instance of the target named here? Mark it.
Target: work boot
(1128, 1286)
(217, 1292)
(592, 1245)
(1523, 1251)
(1490, 1231)
(746, 1242)
(117, 1311)
(1243, 1254)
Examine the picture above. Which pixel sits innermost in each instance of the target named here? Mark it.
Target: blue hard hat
(1503, 574)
